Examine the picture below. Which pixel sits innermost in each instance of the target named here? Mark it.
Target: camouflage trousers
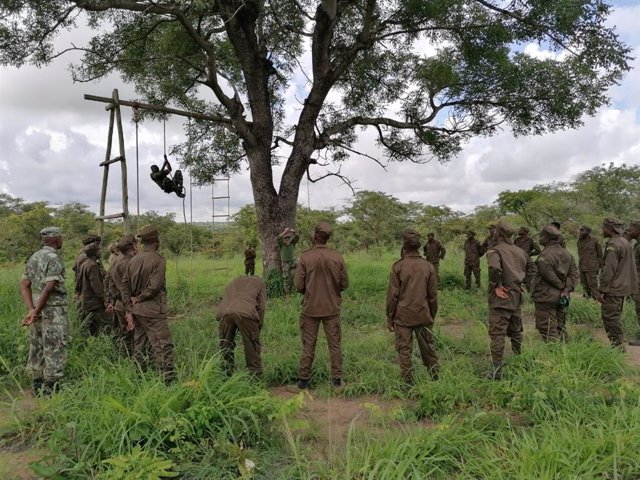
(404, 347)
(250, 333)
(154, 332)
(504, 323)
(309, 327)
(287, 276)
(589, 281)
(470, 268)
(49, 344)
(611, 312)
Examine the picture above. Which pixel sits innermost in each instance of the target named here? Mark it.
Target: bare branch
(346, 180)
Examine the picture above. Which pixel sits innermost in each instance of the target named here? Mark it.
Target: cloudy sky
(52, 140)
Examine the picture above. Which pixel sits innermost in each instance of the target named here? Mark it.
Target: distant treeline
(371, 220)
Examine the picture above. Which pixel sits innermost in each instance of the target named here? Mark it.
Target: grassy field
(562, 411)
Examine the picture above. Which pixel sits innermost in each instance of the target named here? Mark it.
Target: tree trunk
(274, 211)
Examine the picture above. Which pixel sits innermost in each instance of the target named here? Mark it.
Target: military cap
(551, 231)
(91, 238)
(471, 232)
(91, 247)
(556, 224)
(323, 227)
(126, 241)
(504, 229)
(614, 224)
(585, 228)
(51, 232)
(635, 223)
(523, 229)
(410, 235)
(148, 232)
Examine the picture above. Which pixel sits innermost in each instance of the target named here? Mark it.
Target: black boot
(50, 387)
(37, 387)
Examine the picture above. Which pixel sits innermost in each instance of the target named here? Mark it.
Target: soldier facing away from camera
(589, 261)
(144, 295)
(321, 277)
(242, 309)
(92, 292)
(44, 293)
(412, 305)
(555, 278)
(509, 268)
(618, 279)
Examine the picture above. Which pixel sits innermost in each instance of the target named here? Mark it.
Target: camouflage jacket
(45, 266)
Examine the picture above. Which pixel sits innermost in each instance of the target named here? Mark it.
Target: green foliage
(137, 465)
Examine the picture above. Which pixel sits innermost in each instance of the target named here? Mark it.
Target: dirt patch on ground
(15, 456)
(324, 422)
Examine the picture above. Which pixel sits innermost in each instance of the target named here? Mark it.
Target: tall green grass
(562, 411)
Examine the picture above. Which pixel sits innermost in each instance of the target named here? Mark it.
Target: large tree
(422, 75)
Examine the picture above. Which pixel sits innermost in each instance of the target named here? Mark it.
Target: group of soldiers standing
(129, 302)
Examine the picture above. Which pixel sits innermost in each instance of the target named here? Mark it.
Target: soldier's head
(93, 250)
(410, 240)
(470, 234)
(321, 233)
(612, 227)
(503, 231)
(584, 231)
(128, 244)
(155, 169)
(287, 235)
(91, 238)
(113, 248)
(634, 229)
(549, 234)
(149, 236)
(430, 237)
(523, 231)
(52, 237)
(491, 227)
(556, 224)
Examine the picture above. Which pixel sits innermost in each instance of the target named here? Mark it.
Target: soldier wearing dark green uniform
(434, 251)
(250, 260)
(122, 337)
(144, 295)
(79, 260)
(44, 293)
(525, 242)
(287, 241)
(321, 277)
(618, 279)
(589, 261)
(509, 266)
(472, 252)
(555, 278)
(412, 304)
(92, 292)
(633, 231)
(242, 309)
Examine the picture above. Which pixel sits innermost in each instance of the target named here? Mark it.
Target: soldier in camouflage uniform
(44, 293)
(287, 244)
